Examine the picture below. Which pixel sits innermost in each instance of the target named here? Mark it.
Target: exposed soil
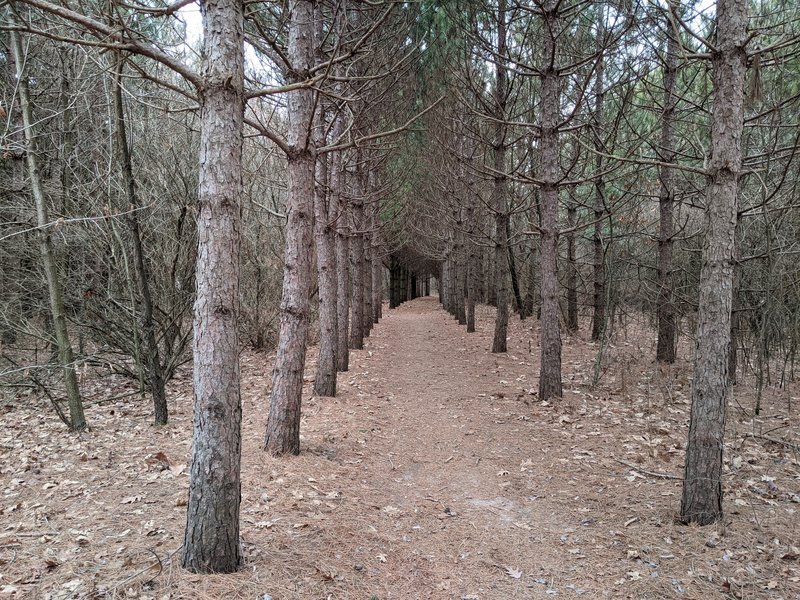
(436, 473)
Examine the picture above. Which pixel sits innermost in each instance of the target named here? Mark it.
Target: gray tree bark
(572, 273)
(377, 263)
(211, 541)
(665, 309)
(550, 336)
(324, 238)
(599, 292)
(472, 268)
(283, 426)
(357, 260)
(66, 355)
(367, 225)
(702, 479)
(339, 204)
(500, 189)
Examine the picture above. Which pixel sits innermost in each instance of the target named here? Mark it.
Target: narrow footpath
(436, 473)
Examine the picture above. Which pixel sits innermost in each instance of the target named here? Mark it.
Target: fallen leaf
(512, 572)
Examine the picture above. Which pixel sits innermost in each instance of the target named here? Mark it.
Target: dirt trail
(455, 459)
(436, 473)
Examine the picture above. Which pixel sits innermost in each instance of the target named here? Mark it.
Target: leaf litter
(476, 478)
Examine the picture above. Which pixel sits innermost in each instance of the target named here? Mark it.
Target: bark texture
(325, 241)
(572, 270)
(66, 355)
(472, 268)
(324, 237)
(357, 262)
(211, 542)
(340, 205)
(283, 426)
(665, 309)
(599, 292)
(550, 373)
(702, 479)
(500, 189)
(377, 264)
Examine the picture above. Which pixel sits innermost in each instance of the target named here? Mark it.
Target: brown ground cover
(436, 473)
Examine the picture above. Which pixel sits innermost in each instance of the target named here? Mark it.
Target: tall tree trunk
(512, 269)
(491, 290)
(211, 541)
(57, 311)
(472, 268)
(665, 309)
(534, 222)
(357, 260)
(367, 311)
(340, 206)
(324, 238)
(155, 372)
(550, 371)
(461, 271)
(733, 352)
(599, 299)
(702, 479)
(283, 426)
(572, 270)
(377, 263)
(500, 189)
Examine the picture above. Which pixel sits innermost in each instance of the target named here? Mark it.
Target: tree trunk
(534, 222)
(57, 311)
(325, 378)
(702, 479)
(155, 373)
(283, 426)
(572, 271)
(472, 268)
(491, 290)
(339, 205)
(512, 269)
(377, 263)
(211, 542)
(461, 272)
(665, 309)
(324, 238)
(500, 189)
(550, 336)
(599, 299)
(357, 261)
(733, 352)
(367, 311)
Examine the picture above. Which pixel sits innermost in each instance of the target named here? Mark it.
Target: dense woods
(177, 187)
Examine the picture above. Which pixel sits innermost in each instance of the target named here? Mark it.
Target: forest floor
(436, 473)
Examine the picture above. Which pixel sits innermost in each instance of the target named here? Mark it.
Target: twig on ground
(773, 440)
(650, 473)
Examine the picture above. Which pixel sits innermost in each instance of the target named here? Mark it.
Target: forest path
(435, 473)
(462, 486)
(463, 472)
